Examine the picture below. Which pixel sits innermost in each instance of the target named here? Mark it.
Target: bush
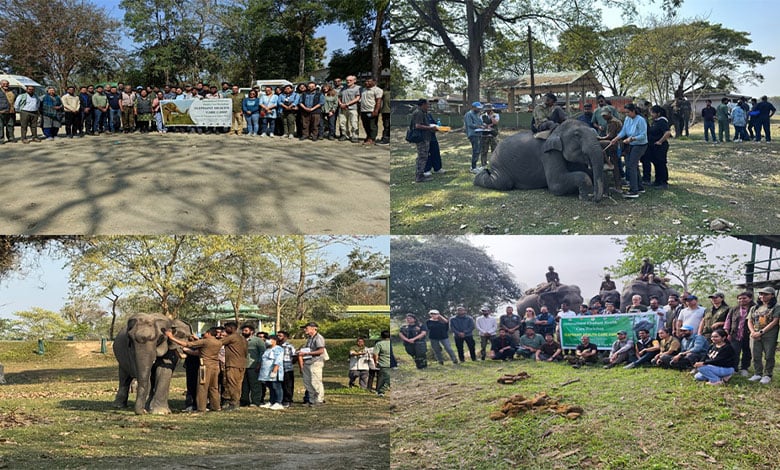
(368, 326)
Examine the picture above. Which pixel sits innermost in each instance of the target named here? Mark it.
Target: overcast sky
(578, 260)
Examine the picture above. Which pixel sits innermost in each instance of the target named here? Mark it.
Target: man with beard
(252, 390)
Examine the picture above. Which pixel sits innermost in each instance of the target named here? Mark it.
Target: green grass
(640, 418)
(56, 412)
(736, 182)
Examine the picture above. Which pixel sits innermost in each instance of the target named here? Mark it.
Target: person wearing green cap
(762, 322)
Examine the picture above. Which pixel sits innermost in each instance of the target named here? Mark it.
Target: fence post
(41, 349)
(102, 345)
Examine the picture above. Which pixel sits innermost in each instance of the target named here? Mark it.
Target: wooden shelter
(566, 83)
(762, 272)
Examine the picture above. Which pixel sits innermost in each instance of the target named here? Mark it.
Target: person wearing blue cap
(472, 121)
(693, 349)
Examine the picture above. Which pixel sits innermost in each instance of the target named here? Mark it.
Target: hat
(488, 106)
(767, 290)
(421, 101)
(691, 297)
(687, 327)
(584, 305)
(588, 106)
(311, 323)
(432, 311)
(139, 87)
(622, 332)
(717, 294)
(476, 104)
(484, 308)
(606, 112)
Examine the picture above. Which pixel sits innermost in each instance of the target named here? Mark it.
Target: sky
(46, 286)
(578, 260)
(760, 18)
(336, 35)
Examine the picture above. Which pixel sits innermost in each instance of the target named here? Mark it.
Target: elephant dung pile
(517, 404)
(509, 379)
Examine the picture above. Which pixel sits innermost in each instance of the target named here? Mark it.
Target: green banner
(603, 329)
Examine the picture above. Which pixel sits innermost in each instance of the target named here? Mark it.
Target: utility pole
(531, 63)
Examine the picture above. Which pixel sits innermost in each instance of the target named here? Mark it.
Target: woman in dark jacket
(718, 367)
(658, 146)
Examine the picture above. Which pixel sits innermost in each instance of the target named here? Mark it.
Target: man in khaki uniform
(235, 364)
(238, 115)
(209, 347)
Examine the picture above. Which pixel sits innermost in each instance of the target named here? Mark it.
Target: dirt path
(176, 183)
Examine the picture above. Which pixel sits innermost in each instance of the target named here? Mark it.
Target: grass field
(55, 412)
(736, 182)
(639, 418)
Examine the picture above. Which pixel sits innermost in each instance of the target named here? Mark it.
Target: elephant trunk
(596, 161)
(145, 355)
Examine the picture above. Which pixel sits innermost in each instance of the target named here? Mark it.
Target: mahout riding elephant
(646, 290)
(569, 161)
(607, 296)
(568, 293)
(145, 354)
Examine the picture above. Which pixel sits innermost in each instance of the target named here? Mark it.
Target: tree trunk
(302, 56)
(376, 45)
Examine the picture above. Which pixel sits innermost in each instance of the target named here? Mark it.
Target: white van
(264, 83)
(19, 83)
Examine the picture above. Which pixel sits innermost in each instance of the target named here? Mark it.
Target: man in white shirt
(486, 325)
(660, 313)
(565, 312)
(691, 315)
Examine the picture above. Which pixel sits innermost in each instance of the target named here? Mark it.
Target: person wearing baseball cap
(473, 121)
(715, 316)
(439, 334)
(762, 322)
(311, 361)
(486, 326)
(622, 351)
(693, 348)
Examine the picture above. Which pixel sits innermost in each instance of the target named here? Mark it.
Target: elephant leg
(561, 181)
(125, 379)
(162, 374)
(493, 178)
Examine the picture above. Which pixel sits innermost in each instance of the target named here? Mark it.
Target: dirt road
(187, 183)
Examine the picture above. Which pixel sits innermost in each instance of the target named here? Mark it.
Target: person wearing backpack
(421, 133)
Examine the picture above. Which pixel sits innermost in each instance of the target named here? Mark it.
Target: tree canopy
(443, 272)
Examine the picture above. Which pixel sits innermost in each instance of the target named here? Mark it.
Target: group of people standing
(715, 342)
(748, 119)
(249, 365)
(308, 111)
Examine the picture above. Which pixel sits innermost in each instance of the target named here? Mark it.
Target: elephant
(145, 354)
(551, 299)
(646, 290)
(607, 296)
(564, 162)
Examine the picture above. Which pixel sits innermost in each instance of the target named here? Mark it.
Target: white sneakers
(427, 173)
(476, 170)
(276, 407)
(755, 378)
(266, 405)
(765, 380)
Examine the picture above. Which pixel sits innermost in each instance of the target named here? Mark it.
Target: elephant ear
(181, 330)
(162, 341)
(552, 143)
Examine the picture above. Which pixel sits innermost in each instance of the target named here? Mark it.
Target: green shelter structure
(762, 272)
(219, 314)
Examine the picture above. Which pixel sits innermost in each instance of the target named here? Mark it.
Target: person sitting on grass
(668, 345)
(585, 353)
(529, 343)
(622, 351)
(693, 348)
(549, 351)
(718, 367)
(645, 348)
(501, 348)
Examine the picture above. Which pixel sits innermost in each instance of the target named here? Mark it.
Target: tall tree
(300, 19)
(41, 323)
(462, 26)
(604, 52)
(368, 23)
(50, 40)
(442, 272)
(696, 55)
